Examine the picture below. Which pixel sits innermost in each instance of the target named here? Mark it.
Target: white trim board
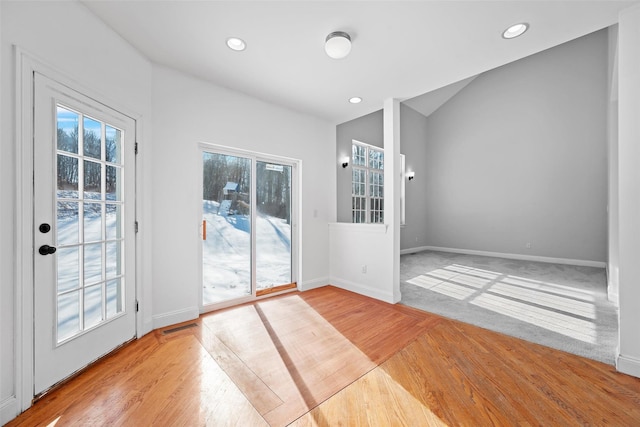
(628, 365)
(173, 317)
(522, 257)
(361, 289)
(307, 285)
(8, 409)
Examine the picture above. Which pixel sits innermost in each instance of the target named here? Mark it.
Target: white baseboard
(8, 410)
(147, 326)
(628, 365)
(173, 317)
(416, 250)
(522, 257)
(313, 284)
(362, 290)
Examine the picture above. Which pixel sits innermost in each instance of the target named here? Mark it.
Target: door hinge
(136, 148)
(137, 306)
(136, 226)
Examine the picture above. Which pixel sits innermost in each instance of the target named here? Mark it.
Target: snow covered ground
(226, 268)
(68, 258)
(226, 260)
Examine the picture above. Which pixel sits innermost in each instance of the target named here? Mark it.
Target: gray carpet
(560, 306)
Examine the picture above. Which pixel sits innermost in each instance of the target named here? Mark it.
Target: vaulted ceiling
(400, 49)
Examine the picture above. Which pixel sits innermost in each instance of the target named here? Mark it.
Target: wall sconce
(345, 161)
(411, 175)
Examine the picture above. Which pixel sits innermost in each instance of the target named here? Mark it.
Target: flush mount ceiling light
(337, 45)
(515, 30)
(236, 44)
(355, 100)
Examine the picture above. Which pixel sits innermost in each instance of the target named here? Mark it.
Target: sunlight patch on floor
(560, 323)
(561, 309)
(569, 305)
(54, 422)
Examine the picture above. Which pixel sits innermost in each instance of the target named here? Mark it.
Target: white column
(392, 177)
(628, 360)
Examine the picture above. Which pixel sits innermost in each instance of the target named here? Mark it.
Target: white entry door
(84, 226)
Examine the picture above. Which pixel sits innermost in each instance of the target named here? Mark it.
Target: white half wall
(358, 260)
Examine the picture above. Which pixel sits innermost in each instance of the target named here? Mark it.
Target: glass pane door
(88, 223)
(273, 226)
(84, 236)
(226, 227)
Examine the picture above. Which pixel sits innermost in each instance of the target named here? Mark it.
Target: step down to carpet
(179, 328)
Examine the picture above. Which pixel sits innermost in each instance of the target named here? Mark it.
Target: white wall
(519, 155)
(414, 145)
(629, 189)
(188, 111)
(69, 39)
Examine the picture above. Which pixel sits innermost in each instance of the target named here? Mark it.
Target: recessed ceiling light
(515, 30)
(355, 100)
(236, 44)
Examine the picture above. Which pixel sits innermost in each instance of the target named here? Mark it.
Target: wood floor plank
(328, 357)
(459, 374)
(302, 358)
(257, 392)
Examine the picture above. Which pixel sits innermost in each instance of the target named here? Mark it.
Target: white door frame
(26, 65)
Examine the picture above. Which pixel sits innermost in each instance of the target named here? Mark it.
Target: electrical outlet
(364, 269)
(528, 245)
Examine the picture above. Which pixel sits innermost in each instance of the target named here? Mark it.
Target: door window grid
(89, 208)
(367, 184)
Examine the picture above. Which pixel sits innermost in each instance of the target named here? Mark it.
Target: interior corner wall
(413, 144)
(367, 129)
(519, 156)
(66, 37)
(188, 111)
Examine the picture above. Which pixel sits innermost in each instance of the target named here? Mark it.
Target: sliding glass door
(273, 226)
(247, 248)
(226, 227)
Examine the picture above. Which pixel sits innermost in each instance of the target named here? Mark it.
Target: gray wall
(413, 137)
(519, 156)
(367, 129)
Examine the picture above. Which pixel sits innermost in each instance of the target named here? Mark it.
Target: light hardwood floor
(328, 357)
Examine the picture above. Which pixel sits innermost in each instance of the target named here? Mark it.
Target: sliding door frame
(205, 147)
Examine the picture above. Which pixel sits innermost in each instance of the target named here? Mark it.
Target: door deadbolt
(44, 228)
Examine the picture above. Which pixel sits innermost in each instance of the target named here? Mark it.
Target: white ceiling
(401, 49)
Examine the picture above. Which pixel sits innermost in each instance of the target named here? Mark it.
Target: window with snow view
(367, 183)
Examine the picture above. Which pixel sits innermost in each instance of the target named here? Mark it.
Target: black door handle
(47, 250)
